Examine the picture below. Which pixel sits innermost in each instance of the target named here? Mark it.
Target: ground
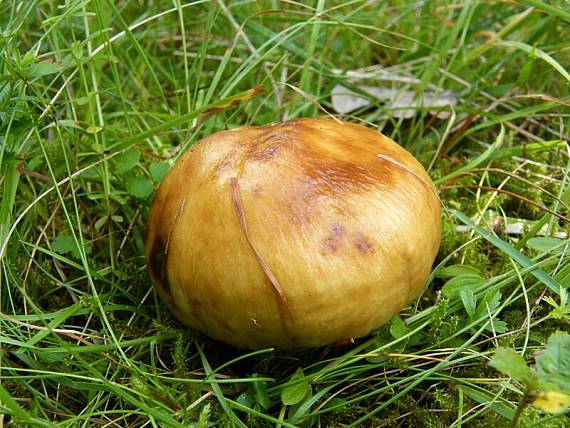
(97, 101)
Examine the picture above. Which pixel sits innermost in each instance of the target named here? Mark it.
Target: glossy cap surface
(301, 233)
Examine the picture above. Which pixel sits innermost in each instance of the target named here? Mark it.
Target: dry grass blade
(264, 266)
(428, 184)
(542, 97)
(311, 100)
(244, 96)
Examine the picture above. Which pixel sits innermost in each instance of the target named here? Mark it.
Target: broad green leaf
(77, 50)
(456, 270)
(101, 222)
(454, 285)
(295, 390)
(553, 364)
(261, 394)
(469, 300)
(158, 170)
(245, 399)
(42, 68)
(497, 326)
(398, 328)
(510, 363)
(544, 244)
(140, 187)
(18, 413)
(490, 301)
(126, 161)
(63, 244)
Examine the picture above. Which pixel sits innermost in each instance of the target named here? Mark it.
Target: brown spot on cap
(337, 230)
(226, 162)
(264, 154)
(268, 143)
(332, 176)
(332, 241)
(362, 243)
(339, 158)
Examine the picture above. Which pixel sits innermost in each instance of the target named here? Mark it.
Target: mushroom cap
(294, 234)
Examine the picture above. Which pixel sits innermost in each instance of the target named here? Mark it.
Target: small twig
(34, 174)
(543, 97)
(199, 400)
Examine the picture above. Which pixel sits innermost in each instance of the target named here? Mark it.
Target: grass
(99, 98)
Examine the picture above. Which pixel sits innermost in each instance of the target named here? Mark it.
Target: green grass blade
(531, 50)
(218, 391)
(477, 161)
(556, 11)
(513, 253)
(17, 411)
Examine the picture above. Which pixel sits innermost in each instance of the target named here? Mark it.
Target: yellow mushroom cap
(294, 234)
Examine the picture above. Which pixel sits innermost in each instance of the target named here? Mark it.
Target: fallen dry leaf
(401, 103)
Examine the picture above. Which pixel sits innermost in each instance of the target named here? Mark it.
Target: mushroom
(296, 234)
